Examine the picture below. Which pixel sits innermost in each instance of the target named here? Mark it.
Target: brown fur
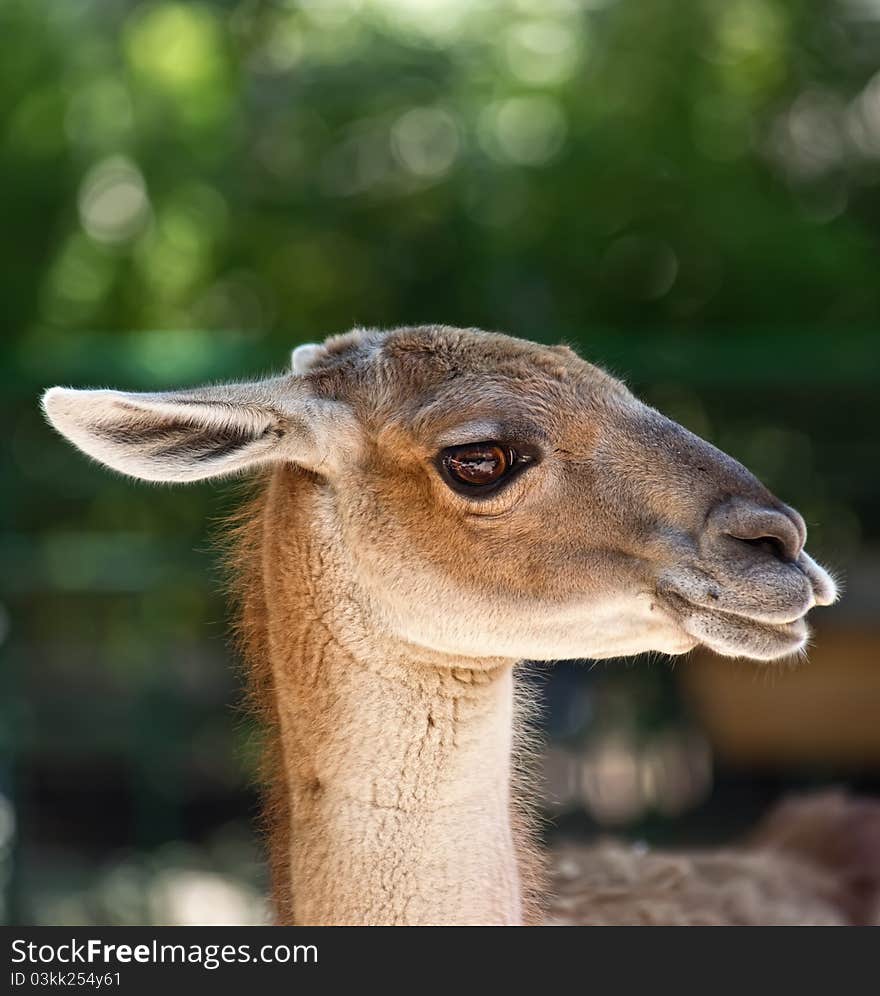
(815, 860)
(242, 538)
(839, 836)
(381, 610)
(255, 560)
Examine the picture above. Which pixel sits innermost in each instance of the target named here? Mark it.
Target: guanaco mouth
(738, 635)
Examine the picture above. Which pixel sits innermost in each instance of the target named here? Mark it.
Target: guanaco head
(492, 497)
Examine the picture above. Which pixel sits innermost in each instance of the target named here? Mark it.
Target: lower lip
(794, 634)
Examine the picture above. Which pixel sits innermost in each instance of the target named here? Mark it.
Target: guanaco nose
(780, 531)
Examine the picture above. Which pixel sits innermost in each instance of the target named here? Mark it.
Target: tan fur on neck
(298, 666)
(242, 539)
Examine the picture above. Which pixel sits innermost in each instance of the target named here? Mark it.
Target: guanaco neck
(394, 776)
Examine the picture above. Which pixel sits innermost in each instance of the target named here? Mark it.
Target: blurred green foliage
(688, 190)
(538, 166)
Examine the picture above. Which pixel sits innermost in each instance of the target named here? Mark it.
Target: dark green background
(686, 190)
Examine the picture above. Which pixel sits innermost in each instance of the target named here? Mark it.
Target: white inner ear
(304, 356)
(211, 431)
(168, 437)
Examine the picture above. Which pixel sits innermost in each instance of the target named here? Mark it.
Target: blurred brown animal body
(437, 505)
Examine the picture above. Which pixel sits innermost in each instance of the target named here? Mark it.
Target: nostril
(774, 532)
(769, 544)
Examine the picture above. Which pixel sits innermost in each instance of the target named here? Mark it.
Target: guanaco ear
(205, 432)
(303, 357)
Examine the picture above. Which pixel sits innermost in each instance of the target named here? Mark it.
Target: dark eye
(480, 467)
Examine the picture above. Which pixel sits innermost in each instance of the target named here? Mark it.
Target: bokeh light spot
(113, 202)
(425, 141)
(176, 45)
(542, 52)
(526, 130)
(640, 266)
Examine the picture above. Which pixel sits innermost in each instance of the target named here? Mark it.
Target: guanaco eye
(479, 467)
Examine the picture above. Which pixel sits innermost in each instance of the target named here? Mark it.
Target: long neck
(394, 798)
